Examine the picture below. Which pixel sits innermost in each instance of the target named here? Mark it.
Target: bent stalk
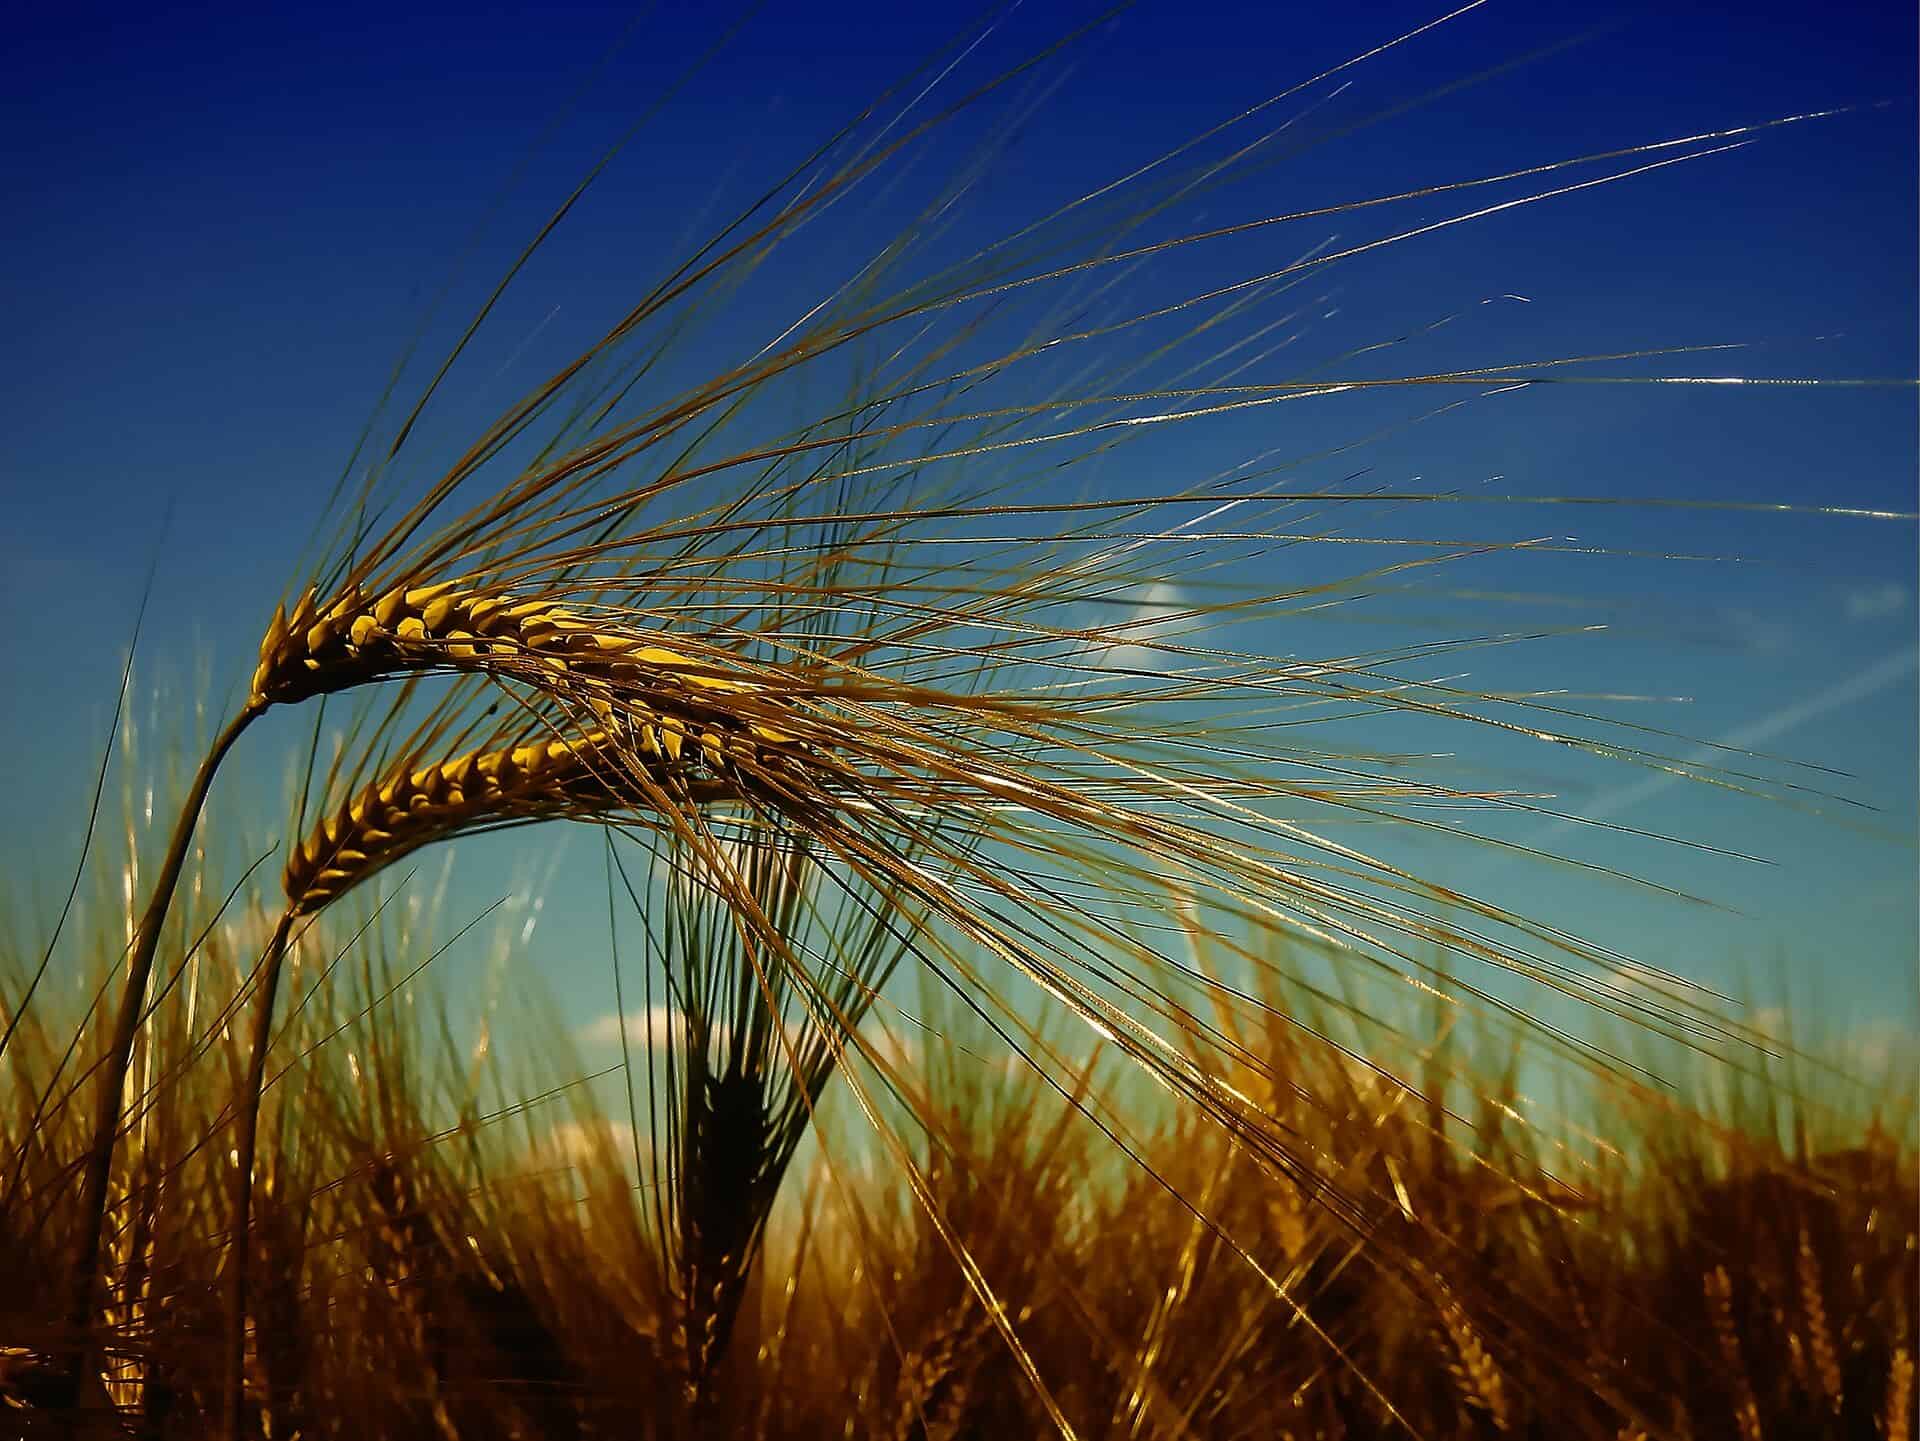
(113, 1083)
(244, 1146)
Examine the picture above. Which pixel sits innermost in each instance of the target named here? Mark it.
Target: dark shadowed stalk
(244, 1142)
(97, 1175)
(771, 959)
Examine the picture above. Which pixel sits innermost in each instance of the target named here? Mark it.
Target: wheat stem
(244, 1145)
(99, 1165)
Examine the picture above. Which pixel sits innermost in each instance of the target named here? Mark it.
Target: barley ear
(354, 638)
(1896, 1417)
(1718, 1285)
(1476, 1373)
(415, 805)
(1826, 1365)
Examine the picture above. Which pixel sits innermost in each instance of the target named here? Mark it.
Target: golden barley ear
(1476, 1374)
(462, 1317)
(415, 805)
(1718, 1285)
(1826, 1363)
(1896, 1415)
(356, 638)
(931, 1394)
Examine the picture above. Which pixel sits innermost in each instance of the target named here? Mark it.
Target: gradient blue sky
(228, 223)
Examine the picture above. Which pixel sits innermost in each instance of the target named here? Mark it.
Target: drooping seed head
(414, 805)
(356, 639)
(353, 640)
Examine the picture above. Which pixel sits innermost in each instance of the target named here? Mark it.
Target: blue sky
(228, 225)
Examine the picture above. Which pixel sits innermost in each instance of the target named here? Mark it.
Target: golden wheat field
(1159, 722)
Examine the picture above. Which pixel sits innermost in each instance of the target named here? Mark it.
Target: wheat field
(1011, 752)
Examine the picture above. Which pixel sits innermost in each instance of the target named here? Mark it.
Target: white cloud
(654, 1029)
(1875, 1046)
(586, 1141)
(890, 1046)
(1771, 1022)
(1758, 634)
(1156, 613)
(1865, 1048)
(648, 1029)
(1875, 602)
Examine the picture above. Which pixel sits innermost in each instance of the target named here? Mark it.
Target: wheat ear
(1826, 1364)
(1718, 1285)
(1896, 1417)
(414, 806)
(356, 637)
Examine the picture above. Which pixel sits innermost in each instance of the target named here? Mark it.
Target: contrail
(1876, 677)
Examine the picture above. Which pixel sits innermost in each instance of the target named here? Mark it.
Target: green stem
(243, 1176)
(106, 1130)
